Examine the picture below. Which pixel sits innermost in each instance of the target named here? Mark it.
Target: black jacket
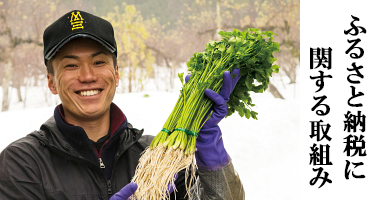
(48, 164)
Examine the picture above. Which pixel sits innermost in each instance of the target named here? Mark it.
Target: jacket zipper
(102, 166)
(109, 189)
(118, 156)
(101, 163)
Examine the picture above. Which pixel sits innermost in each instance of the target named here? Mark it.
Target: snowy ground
(264, 151)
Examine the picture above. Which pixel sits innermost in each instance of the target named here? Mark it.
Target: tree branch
(15, 41)
(161, 54)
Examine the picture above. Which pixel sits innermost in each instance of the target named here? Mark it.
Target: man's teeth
(89, 92)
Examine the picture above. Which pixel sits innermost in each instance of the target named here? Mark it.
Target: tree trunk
(291, 73)
(172, 77)
(26, 88)
(5, 83)
(275, 92)
(129, 62)
(170, 71)
(18, 88)
(130, 79)
(218, 21)
(156, 76)
(173, 73)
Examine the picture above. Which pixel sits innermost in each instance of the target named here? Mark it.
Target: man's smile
(89, 92)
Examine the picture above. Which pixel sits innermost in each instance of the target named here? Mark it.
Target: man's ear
(51, 84)
(117, 75)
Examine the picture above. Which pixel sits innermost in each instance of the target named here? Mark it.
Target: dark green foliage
(250, 50)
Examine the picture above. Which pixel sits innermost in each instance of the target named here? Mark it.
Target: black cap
(76, 24)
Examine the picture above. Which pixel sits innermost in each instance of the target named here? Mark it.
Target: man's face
(85, 79)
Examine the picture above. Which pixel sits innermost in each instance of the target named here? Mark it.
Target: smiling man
(86, 81)
(87, 149)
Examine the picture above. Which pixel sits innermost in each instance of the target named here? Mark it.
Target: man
(88, 150)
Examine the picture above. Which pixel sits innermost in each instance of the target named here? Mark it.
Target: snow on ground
(264, 151)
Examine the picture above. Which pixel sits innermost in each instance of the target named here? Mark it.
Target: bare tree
(21, 27)
(16, 29)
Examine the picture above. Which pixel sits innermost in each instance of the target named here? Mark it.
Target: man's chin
(92, 112)
(90, 116)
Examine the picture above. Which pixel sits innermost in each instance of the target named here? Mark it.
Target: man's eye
(70, 65)
(99, 62)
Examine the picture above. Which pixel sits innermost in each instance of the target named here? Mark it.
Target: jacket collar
(59, 134)
(118, 120)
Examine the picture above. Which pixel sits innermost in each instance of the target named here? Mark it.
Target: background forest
(155, 38)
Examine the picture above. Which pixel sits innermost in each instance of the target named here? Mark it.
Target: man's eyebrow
(70, 56)
(77, 57)
(97, 53)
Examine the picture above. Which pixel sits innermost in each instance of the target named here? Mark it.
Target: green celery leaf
(275, 68)
(244, 33)
(271, 59)
(247, 113)
(236, 33)
(248, 81)
(180, 75)
(221, 47)
(230, 112)
(276, 46)
(223, 34)
(209, 47)
(230, 49)
(257, 89)
(254, 114)
(244, 71)
(233, 100)
(241, 113)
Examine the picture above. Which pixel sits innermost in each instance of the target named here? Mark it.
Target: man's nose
(87, 74)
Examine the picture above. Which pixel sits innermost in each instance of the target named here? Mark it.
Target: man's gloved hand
(127, 191)
(210, 154)
(171, 186)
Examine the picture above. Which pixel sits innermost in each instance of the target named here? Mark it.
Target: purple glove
(125, 192)
(171, 186)
(210, 154)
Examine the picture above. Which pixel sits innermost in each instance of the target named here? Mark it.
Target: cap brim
(54, 50)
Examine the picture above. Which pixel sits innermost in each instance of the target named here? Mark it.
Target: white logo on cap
(76, 21)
